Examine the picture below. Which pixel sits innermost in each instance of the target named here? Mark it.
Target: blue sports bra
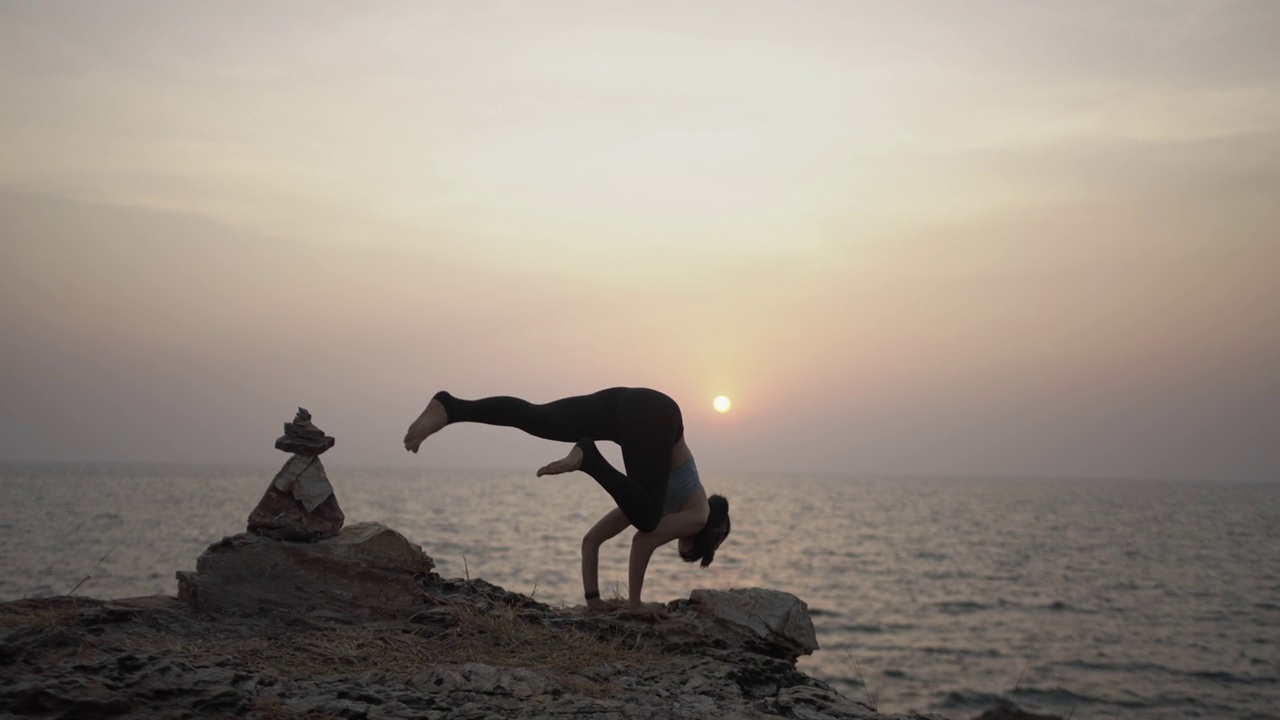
(681, 483)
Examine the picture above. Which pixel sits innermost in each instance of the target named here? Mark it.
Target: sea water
(1098, 599)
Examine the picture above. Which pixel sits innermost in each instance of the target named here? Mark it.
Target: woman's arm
(607, 527)
(676, 525)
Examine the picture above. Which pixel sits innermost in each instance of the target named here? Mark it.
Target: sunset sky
(953, 238)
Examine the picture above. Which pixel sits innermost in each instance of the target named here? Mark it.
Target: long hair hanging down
(711, 534)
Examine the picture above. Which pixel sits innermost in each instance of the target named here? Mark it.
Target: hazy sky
(997, 237)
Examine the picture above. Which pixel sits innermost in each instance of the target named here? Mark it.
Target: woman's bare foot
(427, 424)
(601, 605)
(568, 463)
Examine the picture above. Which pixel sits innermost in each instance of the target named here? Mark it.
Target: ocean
(1088, 598)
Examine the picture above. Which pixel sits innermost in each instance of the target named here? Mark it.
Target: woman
(660, 494)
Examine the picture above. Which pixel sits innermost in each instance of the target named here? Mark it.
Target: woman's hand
(648, 611)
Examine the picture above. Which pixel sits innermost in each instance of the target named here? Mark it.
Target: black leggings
(645, 423)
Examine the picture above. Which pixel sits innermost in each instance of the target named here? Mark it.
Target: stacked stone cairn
(299, 503)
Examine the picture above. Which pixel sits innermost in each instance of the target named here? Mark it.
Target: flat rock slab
(367, 570)
(305, 446)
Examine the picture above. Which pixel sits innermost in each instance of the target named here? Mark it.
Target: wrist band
(593, 595)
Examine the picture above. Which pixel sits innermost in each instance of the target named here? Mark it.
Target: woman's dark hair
(711, 534)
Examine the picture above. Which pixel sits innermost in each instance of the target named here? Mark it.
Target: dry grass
(336, 652)
(502, 636)
(42, 612)
(493, 635)
(873, 696)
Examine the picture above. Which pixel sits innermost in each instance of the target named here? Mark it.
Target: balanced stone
(298, 431)
(302, 426)
(303, 437)
(299, 504)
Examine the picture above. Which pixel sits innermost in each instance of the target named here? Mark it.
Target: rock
(1009, 711)
(304, 446)
(302, 437)
(302, 426)
(299, 504)
(154, 658)
(304, 478)
(367, 570)
(815, 703)
(15, 644)
(775, 616)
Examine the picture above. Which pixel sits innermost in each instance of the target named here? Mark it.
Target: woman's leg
(649, 426)
(645, 423)
(566, 420)
(634, 497)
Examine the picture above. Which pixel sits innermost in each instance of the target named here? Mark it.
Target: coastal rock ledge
(359, 626)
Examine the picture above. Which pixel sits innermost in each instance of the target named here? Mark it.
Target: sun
(721, 404)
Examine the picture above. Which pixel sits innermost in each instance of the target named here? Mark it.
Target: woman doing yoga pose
(660, 494)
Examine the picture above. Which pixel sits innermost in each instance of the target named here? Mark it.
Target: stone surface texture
(778, 617)
(304, 478)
